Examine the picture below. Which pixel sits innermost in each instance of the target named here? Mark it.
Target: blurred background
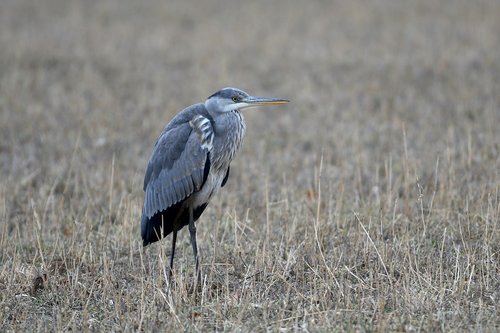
(83, 82)
(395, 103)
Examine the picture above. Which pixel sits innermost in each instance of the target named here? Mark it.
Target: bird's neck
(230, 129)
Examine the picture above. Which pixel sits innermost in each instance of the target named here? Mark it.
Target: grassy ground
(371, 202)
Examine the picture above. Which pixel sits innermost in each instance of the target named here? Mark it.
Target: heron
(190, 163)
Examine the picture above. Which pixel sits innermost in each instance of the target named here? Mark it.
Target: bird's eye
(236, 99)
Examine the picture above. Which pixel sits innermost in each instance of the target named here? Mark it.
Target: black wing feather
(224, 181)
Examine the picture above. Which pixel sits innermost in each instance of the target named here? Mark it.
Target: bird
(190, 163)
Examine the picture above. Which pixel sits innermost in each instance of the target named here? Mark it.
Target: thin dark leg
(192, 232)
(174, 239)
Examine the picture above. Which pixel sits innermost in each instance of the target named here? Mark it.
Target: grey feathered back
(177, 165)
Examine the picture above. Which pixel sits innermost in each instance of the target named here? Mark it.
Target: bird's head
(229, 99)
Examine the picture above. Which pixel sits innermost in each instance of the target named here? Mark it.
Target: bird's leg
(192, 232)
(174, 239)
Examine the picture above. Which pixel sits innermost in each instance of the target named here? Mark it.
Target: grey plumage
(190, 163)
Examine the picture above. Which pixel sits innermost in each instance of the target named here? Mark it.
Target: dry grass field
(371, 202)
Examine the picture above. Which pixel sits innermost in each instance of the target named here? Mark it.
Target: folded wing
(178, 166)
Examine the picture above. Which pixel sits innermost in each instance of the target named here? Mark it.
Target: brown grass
(371, 202)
